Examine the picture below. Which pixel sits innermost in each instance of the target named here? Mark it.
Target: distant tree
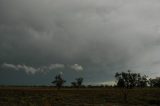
(78, 82)
(59, 81)
(154, 82)
(123, 82)
(74, 84)
(151, 82)
(142, 81)
(128, 79)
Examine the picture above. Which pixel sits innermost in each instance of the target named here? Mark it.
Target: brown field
(49, 96)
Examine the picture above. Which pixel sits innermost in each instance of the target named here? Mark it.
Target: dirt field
(45, 96)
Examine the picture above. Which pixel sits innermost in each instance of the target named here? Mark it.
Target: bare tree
(78, 82)
(59, 81)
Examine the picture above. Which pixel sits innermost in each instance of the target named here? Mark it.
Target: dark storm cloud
(103, 36)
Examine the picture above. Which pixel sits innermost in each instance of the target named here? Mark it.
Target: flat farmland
(50, 96)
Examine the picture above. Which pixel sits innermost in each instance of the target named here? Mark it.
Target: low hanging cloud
(5, 65)
(55, 66)
(33, 70)
(77, 67)
(27, 69)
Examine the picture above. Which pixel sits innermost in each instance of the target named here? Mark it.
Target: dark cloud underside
(101, 37)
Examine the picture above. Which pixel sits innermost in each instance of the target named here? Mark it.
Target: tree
(59, 81)
(78, 82)
(124, 82)
(142, 81)
(130, 80)
(127, 80)
(74, 84)
(154, 82)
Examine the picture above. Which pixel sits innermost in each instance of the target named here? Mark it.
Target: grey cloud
(9, 66)
(77, 67)
(102, 36)
(54, 66)
(42, 69)
(27, 69)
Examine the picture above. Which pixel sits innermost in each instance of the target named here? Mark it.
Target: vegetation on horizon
(123, 80)
(131, 89)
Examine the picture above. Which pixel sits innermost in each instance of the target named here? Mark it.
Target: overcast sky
(92, 39)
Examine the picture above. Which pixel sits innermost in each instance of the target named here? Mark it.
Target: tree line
(123, 80)
(130, 80)
(59, 81)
